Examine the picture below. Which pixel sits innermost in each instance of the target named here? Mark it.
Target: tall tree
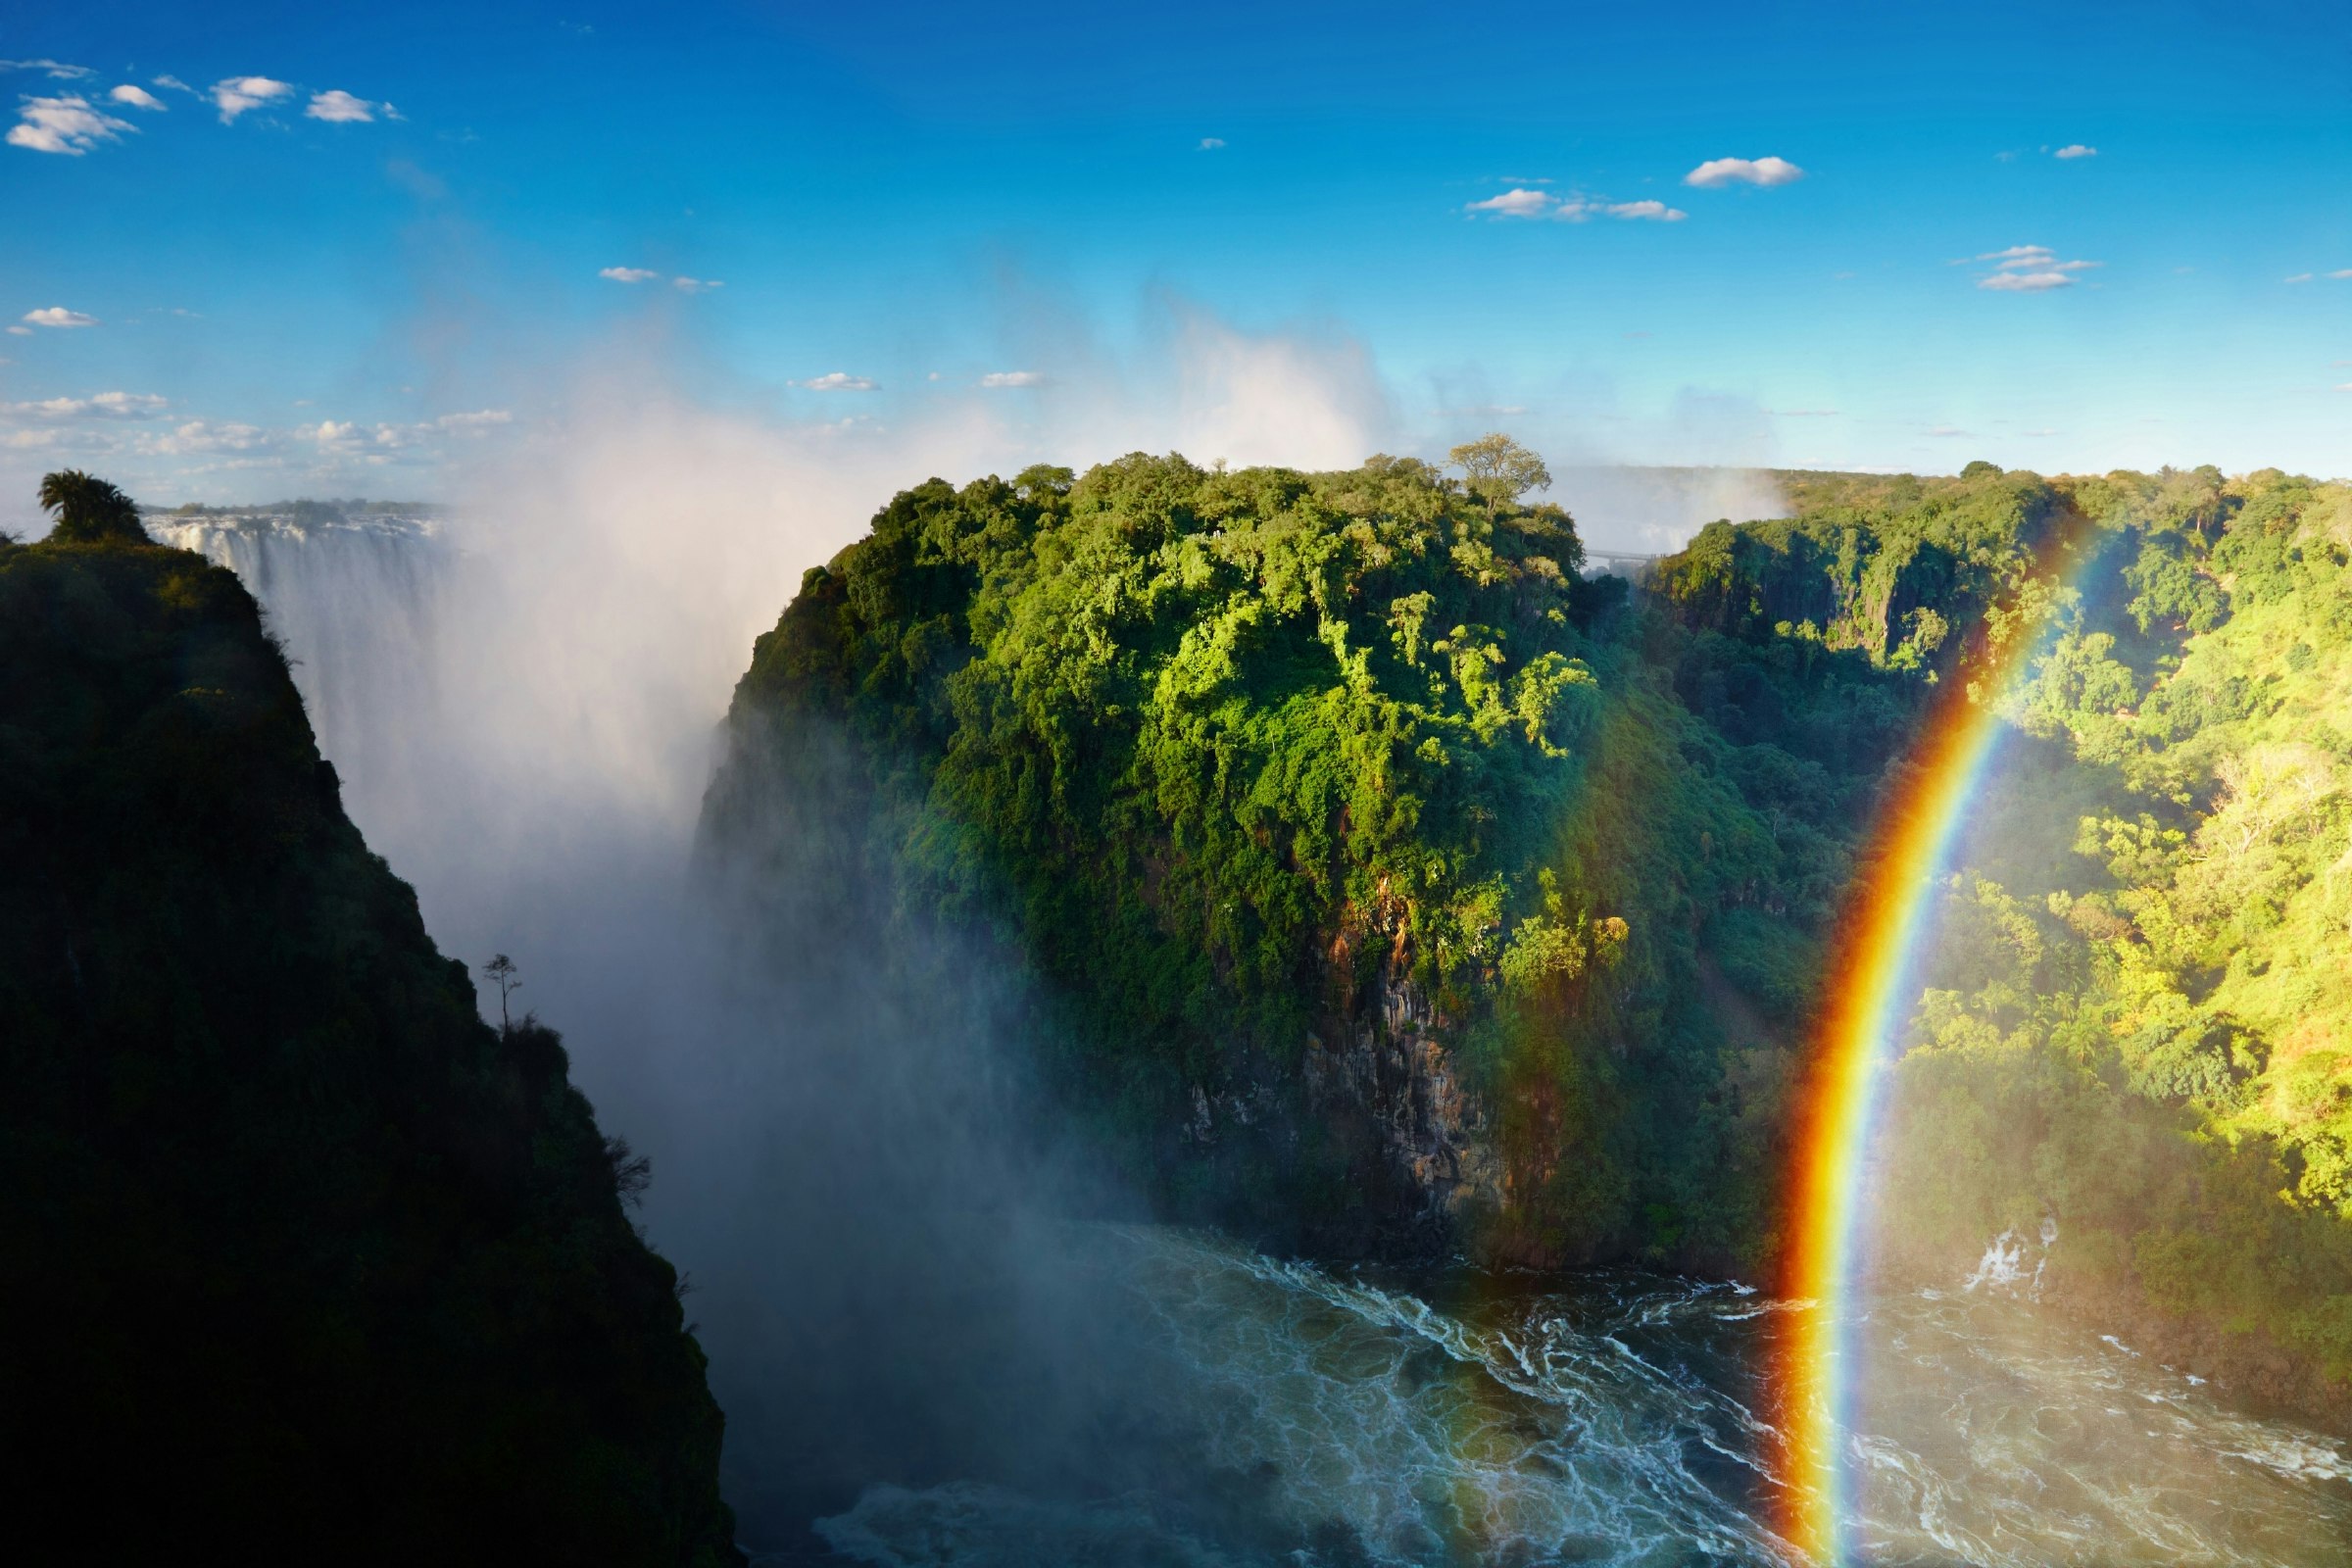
(91, 510)
(1499, 469)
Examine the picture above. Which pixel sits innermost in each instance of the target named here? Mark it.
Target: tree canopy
(89, 510)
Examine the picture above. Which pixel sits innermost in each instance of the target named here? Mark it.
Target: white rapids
(1481, 1418)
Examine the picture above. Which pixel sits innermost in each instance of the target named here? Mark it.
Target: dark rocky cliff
(297, 1258)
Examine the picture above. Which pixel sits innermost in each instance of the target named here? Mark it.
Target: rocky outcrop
(1390, 1067)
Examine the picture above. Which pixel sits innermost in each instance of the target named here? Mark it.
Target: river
(1282, 1412)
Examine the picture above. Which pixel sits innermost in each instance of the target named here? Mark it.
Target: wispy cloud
(136, 97)
(1003, 378)
(67, 126)
(1717, 171)
(175, 83)
(2299, 277)
(1209, 144)
(2076, 150)
(234, 95)
(2341, 271)
(58, 315)
(630, 274)
(480, 420)
(2030, 269)
(56, 69)
(101, 405)
(837, 381)
(1802, 414)
(1946, 431)
(1520, 202)
(694, 285)
(339, 108)
(2024, 283)
(1653, 211)
(1516, 203)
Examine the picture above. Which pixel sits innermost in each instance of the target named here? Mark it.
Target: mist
(881, 1228)
(892, 1249)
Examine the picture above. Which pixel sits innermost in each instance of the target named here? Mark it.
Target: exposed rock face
(1391, 1064)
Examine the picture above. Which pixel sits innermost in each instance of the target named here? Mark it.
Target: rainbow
(1870, 1000)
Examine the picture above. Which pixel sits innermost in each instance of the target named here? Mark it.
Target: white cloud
(1946, 431)
(2024, 283)
(176, 85)
(1513, 204)
(199, 435)
(136, 97)
(20, 332)
(2341, 271)
(2076, 150)
(2030, 269)
(1802, 414)
(2299, 277)
(2344, 386)
(102, 404)
(67, 126)
(234, 95)
(339, 108)
(1209, 144)
(694, 285)
(1520, 202)
(1004, 379)
(837, 381)
(1744, 171)
(630, 274)
(58, 315)
(329, 433)
(478, 420)
(57, 69)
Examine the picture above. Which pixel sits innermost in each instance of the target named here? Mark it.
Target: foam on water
(1477, 1418)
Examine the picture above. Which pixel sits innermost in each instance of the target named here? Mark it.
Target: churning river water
(1304, 1416)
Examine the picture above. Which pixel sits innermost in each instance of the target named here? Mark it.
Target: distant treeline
(307, 510)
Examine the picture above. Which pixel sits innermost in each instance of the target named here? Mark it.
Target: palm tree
(89, 510)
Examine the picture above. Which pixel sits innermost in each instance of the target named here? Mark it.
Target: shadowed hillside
(299, 1259)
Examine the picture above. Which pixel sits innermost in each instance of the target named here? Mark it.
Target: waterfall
(354, 595)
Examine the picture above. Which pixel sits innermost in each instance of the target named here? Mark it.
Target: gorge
(1234, 1016)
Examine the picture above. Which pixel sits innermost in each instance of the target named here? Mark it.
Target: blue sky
(327, 250)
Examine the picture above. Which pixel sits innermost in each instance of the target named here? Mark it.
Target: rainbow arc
(1875, 983)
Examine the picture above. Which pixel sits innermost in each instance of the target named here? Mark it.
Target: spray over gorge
(922, 1179)
(927, 786)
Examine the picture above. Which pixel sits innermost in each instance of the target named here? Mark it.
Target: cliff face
(297, 1258)
(1353, 862)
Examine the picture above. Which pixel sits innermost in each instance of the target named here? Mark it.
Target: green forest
(1320, 805)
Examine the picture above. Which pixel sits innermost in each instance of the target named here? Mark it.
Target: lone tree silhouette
(504, 973)
(89, 510)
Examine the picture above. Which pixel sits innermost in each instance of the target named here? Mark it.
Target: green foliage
(1243, 763)
(1229, 756)
(2155, 1057)
(294, 1249)
(89, 510)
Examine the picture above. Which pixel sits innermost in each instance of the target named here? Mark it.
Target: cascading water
(354, 596)
(1203, 1403)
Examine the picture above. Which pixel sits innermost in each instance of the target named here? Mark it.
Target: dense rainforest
(299, 1259)
(1384, 884)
